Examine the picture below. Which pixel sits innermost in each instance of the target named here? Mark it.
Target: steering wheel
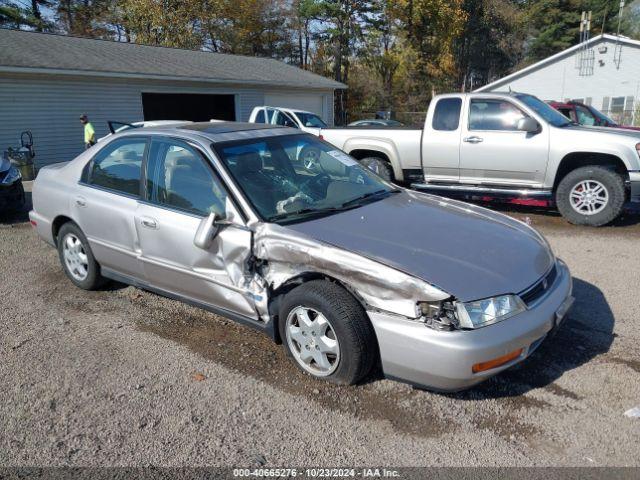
(316, 187)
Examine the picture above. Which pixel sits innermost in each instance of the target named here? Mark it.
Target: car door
(493, 150)
(106, 200)
(441, 147)
(182, 189)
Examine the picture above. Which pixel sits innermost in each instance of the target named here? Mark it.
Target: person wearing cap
(89, 132)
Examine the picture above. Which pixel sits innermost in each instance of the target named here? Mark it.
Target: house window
(617, 104)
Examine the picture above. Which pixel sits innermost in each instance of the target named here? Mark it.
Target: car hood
(614, 131)
(467, 251)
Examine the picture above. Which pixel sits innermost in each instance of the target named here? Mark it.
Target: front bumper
(11, 196)
(441, 360)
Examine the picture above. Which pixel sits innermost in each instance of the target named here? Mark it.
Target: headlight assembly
(481, 313)
(12, 176)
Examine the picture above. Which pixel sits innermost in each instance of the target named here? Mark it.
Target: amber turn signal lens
(496, 362)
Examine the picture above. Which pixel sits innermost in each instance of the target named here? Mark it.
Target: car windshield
(310, 120)
(550, 114)
(294, 177)
(604, 120)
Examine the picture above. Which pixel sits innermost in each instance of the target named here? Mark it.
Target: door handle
(149, 222)
(81, 201)
(473, 139)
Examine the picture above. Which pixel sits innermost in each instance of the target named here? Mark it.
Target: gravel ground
(123, 377)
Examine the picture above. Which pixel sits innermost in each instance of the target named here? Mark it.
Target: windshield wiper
(357, 200)
(304, 212)
(327, 210)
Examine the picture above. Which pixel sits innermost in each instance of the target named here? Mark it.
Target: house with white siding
(603, 71)
(47, 81)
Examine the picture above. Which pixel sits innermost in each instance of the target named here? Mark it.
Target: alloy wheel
(312, 341)
(311, 159)
(75, 257)
(589, 197)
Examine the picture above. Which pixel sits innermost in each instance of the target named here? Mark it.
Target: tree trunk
(35, 10)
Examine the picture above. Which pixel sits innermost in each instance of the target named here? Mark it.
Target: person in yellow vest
(89, 132)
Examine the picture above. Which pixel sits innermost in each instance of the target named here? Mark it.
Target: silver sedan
(346, 270)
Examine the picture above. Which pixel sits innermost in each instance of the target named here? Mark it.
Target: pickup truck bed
(393, 143)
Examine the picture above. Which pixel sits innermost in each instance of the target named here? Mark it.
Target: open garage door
(309, 102)
(188, 106)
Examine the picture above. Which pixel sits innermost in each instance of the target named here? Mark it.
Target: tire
(573, 200)
(348, 326)
(379, 166)
(309, 159)
(77, 258)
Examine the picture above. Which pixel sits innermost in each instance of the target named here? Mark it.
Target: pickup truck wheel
(327, 332)
(310, 159)
(591, 196)
(379, 166)
(77, 259)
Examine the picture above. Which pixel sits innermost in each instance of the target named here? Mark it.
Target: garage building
(47, 81)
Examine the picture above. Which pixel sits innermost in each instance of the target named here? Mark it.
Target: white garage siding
(50, 107)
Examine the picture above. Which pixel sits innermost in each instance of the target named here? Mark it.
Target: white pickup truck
(287, 117)
(505, 145)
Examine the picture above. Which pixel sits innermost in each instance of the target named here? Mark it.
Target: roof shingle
(30, 50)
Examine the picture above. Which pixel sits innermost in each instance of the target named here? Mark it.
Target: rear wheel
(77, 259)
(327, 332)
(591, 196)
(379, 166)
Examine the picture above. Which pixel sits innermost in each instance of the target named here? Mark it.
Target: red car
(586, 115)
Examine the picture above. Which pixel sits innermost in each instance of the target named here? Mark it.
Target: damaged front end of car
(283, 256)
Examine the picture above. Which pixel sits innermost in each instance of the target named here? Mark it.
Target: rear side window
(447, 114)
(260, 117)
(117, 166)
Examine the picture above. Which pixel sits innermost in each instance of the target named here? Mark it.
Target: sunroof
(226, 127)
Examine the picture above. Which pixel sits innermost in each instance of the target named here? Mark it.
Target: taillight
(322, 138)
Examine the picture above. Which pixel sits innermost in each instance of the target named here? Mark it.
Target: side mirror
(528, 125)
(206, 232)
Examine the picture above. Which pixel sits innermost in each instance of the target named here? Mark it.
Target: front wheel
(327, 332)
(591, 196)
(380, 167)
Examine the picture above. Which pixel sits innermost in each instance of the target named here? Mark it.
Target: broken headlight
(485, 312)
(438, 315)
(450, 315)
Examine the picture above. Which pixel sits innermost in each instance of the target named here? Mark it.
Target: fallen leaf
(198, 377)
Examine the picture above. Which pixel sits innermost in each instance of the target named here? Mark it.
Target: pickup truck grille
(536, 291)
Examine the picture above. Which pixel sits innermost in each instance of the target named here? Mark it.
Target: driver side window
(285, 120)
(584, 116)
(496, 115)
(177, 177)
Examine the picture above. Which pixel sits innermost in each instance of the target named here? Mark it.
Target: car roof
(287, 109)
(555, 104)
(218, 131)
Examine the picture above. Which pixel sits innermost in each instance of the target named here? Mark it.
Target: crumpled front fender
(288, 254)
